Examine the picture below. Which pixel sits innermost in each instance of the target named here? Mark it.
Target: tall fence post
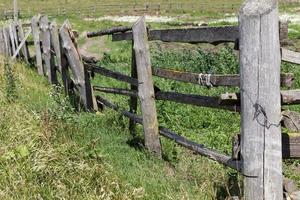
(260, 61)
(37, 43)
(46, 45)
(146, 89)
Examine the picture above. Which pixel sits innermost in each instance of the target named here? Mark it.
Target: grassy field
(50, 151)
(90, 8)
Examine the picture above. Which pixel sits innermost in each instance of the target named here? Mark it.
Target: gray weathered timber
(55, 45)
(7, 41)
(109, 31)
(23, 43)
(76, 65)
(37, 44)
(47, 55)
(145, 88)
(115, 75)
(12, 39)
(16, 39)
(288, 97)
(213, 35)
(211, 79)
(189, 99)
(260, 100)
(290, 56)
(119, 91)
(133, 99)
(16, 12)
(197, 148)
(196, 100)
(291, 121)
(2, 42)
(290, 146)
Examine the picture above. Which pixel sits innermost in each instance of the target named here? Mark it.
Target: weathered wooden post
(46, 44)
(16, 14)
(146, 89)
(260, 60)
(77, 67)
(133, 100)
(37, 43)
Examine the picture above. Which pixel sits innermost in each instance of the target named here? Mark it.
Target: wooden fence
(260, 147)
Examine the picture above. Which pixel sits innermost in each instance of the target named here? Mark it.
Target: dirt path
(94, 47)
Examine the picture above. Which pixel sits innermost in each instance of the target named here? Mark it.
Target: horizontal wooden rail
(290, 56)
(119, 29)
(201, 79)
(212, 35)
(196, 100)
(290, 146)
(189, 99)
(212, 79)
(118, 91)
(197, 148)
(115, 75)
(288, 97)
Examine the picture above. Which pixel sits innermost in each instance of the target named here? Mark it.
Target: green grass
(49, 151)
(89, 8)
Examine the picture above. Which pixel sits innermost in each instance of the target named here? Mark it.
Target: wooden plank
(12, 39)
(146, 89)
(37, 44)
(290, 147)
(76, 66)
(290, 56)
(133, 99)
(16, 12)
(55, 45)
(189, 99)
(115, 75)
(46, 54)
(197, 148)
(8, 47)
(261, 149)
(213, 35)
(23, 44)
(119, 91)
(15, 36)
(288, 97)
(196, 100)
(2, 42)
(232, 80)
(109, 31)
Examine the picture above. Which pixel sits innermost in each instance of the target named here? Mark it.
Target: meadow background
(49, 150)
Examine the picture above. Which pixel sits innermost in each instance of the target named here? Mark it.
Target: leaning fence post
(261, 151)
(77, 67)
(21, 35)
(146, 89)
